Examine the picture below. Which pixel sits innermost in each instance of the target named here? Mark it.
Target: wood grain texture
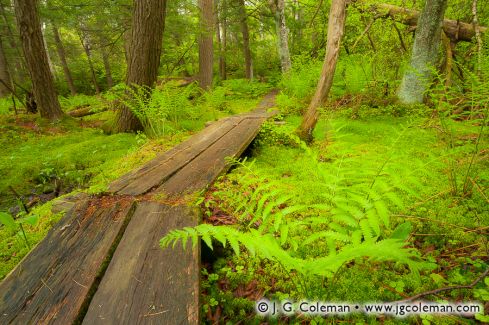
(205, 168)
(145, 285)
(51, 284)
(161, 168)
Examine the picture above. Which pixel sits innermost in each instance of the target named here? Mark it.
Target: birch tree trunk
(425, 53)
(36, 59)
(62, 58)
(336, 26)
(282, 35)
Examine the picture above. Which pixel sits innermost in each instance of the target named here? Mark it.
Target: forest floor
(438, 167)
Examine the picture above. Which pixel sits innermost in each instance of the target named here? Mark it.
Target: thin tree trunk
(148, 23)
(283, 36)
(220, 17)
(20, 65)
(85, 41)
(475, 23)
(50, 62)
(246, 40)
(4, 73)
(425, 52)
(108, 70)
(62, 59)
(336, 26)
(36, 59)
(206, 48)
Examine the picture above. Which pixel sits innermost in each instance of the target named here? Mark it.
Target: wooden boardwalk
(102, 264)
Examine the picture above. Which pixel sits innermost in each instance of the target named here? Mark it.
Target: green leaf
(402, 231)
(7, 220)
(31, 220)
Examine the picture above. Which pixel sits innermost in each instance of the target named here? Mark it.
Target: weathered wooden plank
(205, 168)
(144, 284)
(51, 284)
(159, 169)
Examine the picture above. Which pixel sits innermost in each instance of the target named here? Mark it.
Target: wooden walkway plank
(52, 282)
(148, 176)
(145, 285)
(153, 174)
(205, 168)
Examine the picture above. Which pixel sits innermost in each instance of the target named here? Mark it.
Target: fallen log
(454, 29)
(84, 111)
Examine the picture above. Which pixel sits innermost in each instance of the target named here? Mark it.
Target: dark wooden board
(205, 168)
(51, 284)
(145, 284)
(144, 178)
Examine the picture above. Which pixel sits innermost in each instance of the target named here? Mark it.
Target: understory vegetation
(350, 192)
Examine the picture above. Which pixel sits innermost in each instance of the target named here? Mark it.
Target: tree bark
(206, 48)
(4, 73)
(282, 36)
(425, 52)
(108, 70)
(475, 23)
(221, 36)
(336, 26)
(62, 58)
(146, 39)
(36, 59)
(246, 40)
(454, 29)
(87, 47)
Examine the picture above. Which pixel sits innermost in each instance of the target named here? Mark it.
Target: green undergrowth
(40, 161)
(364, 176)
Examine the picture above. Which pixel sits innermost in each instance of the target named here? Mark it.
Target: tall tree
(36, 59)
(243, 17)
(5, 81)
(282, 35)
(336, 27)
(146, 39)
(221, 36)
(87, 47)
(106, 61)
(425, 52)
(206, 48)
(62, 58)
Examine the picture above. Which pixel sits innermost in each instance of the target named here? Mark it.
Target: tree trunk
(206, 49)
(148, 23)
(454, 29)
(336, 26)
(6, 82)
(36, 59)
(108, 70)
(19, 61)
(425, 52)
(246, 40)
(62, 59)
(221, 36)
(282, 36)
(87, 47)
